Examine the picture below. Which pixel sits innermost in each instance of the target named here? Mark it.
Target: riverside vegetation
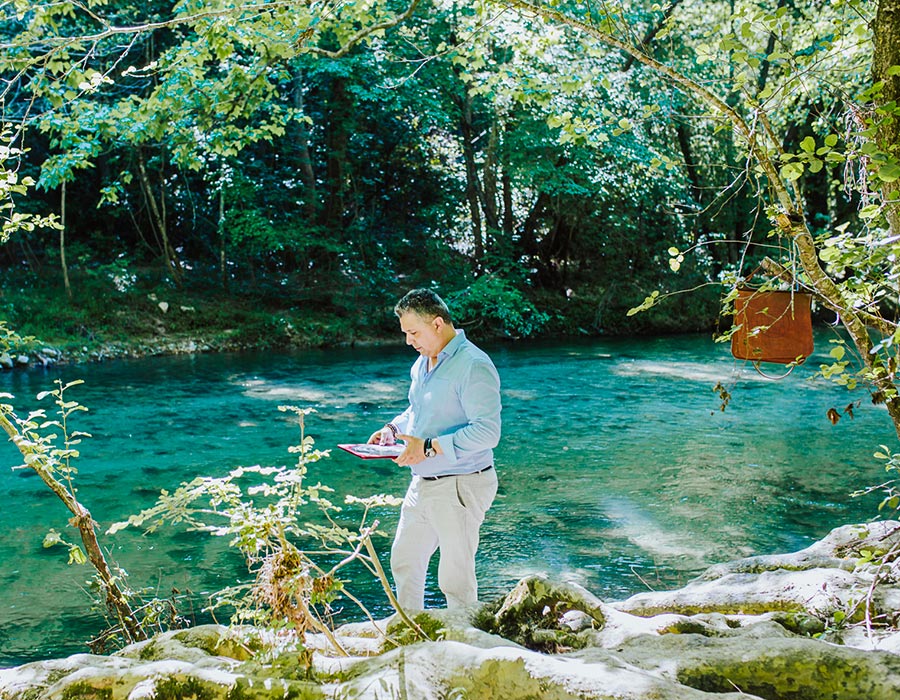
(293, 587)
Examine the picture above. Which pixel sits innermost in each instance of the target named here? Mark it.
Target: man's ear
(438, 323)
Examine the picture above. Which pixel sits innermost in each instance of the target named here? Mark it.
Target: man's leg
(457, 518)
(413, 546)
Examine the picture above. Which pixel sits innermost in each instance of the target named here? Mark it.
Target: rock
(424, 670)
(778, 628)
(767, 666)
(820, 581)
(23, 360)
(820, 592)
(6, 362)
(530, 614)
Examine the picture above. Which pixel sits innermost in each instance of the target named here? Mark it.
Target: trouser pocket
(459, 493)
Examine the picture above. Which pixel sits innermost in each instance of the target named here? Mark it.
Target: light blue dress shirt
(458, 404)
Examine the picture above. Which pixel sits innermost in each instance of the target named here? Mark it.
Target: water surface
(617, 468)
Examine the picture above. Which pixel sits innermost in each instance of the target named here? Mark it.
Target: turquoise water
(617, 468)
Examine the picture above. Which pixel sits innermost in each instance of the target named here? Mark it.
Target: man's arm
(480, 398)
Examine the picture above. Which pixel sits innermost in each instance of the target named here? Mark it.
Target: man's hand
(385, 436)
(415, 450)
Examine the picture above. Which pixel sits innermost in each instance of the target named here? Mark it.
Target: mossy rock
(775, 668)
(220, 641)
(530, 615)
(85, 691)
(800, 623)
(504, 679)
(401, 634)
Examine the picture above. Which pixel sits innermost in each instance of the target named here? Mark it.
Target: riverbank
(108, 317)
(814, 624)
(97, 328)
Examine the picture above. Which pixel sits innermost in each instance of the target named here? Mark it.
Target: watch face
(430, 452)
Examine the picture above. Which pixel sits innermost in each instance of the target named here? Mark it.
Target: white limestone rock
(763, 627)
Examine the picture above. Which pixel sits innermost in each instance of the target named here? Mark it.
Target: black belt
(444, 476)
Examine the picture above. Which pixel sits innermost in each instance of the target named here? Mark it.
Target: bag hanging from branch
(772, 327)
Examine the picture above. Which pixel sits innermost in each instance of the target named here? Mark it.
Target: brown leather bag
(772, 326)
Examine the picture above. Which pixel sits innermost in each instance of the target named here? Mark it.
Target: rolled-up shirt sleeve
(480, 400)
(401, 422)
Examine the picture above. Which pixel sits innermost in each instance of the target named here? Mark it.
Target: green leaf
(889, 172)
(76, 555)
(808, 144)
(51, 539)
(791, 171)
(838, 352)
(648, 302)
(869, 212)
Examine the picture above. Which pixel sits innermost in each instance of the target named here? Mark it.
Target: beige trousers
(445, 514)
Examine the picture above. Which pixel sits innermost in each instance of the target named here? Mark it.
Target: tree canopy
(549, 165)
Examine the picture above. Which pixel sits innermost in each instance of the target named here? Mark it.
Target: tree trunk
(337, 139)
(887, 53)
(223, 269)
(173, 266)
(508, 218)
(299, 137)
(473, 185)
(489, 191)
(62, 242)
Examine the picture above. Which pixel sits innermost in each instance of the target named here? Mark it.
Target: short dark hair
(423, 302)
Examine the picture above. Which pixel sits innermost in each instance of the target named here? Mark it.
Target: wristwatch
(429, 450)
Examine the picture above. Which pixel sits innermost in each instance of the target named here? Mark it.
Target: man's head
(426, 321)
(424, 303)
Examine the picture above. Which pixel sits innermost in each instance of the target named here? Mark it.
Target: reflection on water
(617, 468)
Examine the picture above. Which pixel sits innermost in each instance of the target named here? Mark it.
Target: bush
(493, 301)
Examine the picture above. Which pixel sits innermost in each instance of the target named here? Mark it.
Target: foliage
(495, 303)
(296, 565)
(11, 184)
(352, 151)
(890, 488)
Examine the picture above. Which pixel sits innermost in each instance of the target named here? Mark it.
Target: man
(450, 428)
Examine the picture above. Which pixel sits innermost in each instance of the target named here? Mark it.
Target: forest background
(278, 173)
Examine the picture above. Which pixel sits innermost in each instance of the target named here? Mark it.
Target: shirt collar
(454, 345)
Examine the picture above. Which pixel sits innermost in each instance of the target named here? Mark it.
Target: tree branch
(364, 32)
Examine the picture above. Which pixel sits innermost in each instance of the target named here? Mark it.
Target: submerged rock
(820, 623)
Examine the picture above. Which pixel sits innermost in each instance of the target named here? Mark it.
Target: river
(617, 468)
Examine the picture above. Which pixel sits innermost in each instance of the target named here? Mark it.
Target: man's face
(423, 333)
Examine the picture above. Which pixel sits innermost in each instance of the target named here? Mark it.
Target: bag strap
(772, 376)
